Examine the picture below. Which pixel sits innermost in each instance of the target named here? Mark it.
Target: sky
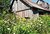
(44, 0)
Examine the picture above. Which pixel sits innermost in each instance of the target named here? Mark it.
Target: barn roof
(32, 4)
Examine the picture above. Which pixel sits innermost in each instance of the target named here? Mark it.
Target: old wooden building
(26, 8)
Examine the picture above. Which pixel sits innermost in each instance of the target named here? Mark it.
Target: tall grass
(9, 24)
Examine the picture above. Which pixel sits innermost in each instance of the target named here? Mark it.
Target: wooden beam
(22, 10)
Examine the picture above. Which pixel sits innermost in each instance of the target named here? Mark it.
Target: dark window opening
(41, 13)
(27, 17)
(44, 13)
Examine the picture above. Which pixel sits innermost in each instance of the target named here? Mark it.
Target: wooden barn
(26, 8)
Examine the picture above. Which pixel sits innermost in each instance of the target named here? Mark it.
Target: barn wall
(49, 7)
(14, 7)
(20, 6)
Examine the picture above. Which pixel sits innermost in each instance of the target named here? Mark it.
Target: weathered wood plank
(17, 6)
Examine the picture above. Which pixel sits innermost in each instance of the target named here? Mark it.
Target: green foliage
(9, 24)
(6, 3)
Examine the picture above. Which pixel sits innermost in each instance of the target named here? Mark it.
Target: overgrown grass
(9, 24)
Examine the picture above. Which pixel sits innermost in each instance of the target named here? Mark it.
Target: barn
(26, 8)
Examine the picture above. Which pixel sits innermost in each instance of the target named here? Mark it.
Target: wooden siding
(49, 7)
(14, 7)
(20, 6)
(17, 6)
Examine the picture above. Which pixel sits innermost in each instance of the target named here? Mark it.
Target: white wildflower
(5, 21)
(13, 33)
(8, 28)
(41, 22)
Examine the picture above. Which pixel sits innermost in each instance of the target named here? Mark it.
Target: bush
(9, 24)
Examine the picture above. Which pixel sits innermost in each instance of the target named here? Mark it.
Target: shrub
(9, 24)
